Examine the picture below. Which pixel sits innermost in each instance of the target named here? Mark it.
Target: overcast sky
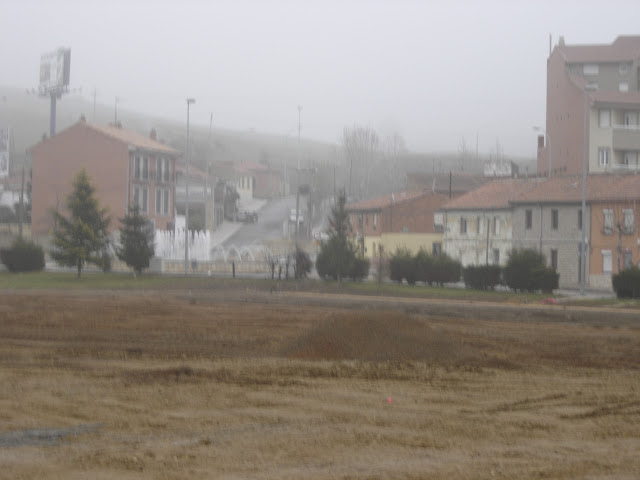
(435, 72)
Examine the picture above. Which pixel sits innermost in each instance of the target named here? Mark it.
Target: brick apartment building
(124, 166)
(604, 82)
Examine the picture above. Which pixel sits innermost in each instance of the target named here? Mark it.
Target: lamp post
(186, 198)
(585, 156)
(541, 130)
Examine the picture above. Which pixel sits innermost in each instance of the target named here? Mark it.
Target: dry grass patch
(160, 387)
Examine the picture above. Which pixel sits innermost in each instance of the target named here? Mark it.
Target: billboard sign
(55, 68)
(4, 152)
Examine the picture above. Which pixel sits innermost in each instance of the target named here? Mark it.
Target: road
(268, 227)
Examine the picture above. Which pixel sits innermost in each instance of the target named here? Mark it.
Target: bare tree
(361, 148)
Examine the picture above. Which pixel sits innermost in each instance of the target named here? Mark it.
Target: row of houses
(481, 227)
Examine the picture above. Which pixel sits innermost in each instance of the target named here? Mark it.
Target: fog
(437, 73)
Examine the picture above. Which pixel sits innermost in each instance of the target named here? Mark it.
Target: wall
(565, 120)
(566, 239)
(392, 241)
(476, 246)
(57, 160)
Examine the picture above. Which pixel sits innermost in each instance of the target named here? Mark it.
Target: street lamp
(541, 130)
(585, 156)
(186, 199)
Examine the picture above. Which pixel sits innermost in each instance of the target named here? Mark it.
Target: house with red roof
(124, 166)
(255, 180)
(545, 214)
(478, 226)
(598, 85)
(398, 220)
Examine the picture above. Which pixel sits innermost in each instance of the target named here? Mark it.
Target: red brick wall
(57, 160)
(416, 215)
(565, 120)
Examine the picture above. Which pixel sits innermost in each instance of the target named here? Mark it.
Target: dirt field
(192, 385)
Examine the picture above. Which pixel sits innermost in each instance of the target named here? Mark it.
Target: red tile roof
(600, 187)
(502, 194)
(494, 195)
(383, 201)
(133, 138)
(624, 48)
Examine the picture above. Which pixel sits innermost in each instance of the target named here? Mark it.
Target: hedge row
(423, 267)
(626, 284)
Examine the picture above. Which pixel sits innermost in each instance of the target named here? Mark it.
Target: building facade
(124, 166)
(545, 214)
(602, 84)
(399, 220)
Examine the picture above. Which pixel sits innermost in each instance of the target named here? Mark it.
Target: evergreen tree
(136, 240)
(338, 257)
(83, 238)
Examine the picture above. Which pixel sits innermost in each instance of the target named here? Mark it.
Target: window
(163, 170)
(162, 201)
(496, 226)
(593, 86)
(627, 259)
(528, 219)
(141, 198)
(478, 223)
(580, 219)
(604, 118)
(623, 86)
(623, 68)
(606, 261)
(628, 220)
(631, 119)
(554, 259)
(590, 69)
(496, 256)
(607, 214)
(436, 249)
(438, 222)
(554, 219)
(141, 167)
(603, 156)
(463, 225)
(375, 220)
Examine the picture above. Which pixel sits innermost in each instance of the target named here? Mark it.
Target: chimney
(561, 41)
(153, 135)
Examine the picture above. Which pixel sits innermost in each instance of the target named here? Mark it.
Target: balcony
(626, 137)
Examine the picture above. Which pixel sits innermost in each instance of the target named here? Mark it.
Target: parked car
(246, 216)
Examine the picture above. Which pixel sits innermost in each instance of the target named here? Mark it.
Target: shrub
(446, 270)
(302, 264)
(626, 284)
(359, 269)
(23, 256)
(402, 267)
(526, 272)
(482, 277)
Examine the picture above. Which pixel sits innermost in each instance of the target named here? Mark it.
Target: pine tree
(83, 238)
(338, 254)
(136, 240)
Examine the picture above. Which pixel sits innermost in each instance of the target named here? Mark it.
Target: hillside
(28, 116)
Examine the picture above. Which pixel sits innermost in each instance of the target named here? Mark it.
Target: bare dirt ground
(254, 385)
